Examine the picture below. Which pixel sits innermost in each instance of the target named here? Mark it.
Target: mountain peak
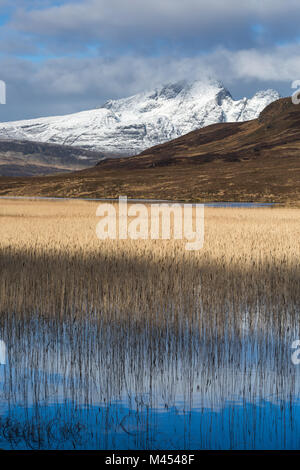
(130, 125)
(171, 90)
(267, 93)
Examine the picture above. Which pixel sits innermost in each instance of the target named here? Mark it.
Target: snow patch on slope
(130, 125)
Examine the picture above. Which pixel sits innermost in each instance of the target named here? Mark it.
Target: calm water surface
(85, 384)
(208, 204)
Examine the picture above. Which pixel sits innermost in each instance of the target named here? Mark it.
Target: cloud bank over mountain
(65, 56)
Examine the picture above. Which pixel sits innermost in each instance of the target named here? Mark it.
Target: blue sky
(64, 56)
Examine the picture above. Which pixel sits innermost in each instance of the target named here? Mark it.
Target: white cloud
(278, 64)
(101, 78)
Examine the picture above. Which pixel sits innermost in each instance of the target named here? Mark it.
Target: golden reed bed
(53, 264)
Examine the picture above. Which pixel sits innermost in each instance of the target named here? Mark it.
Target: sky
(59, 57)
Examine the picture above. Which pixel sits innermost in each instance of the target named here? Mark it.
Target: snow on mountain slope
(130, 125)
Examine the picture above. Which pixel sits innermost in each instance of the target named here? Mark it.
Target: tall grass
(91, 322)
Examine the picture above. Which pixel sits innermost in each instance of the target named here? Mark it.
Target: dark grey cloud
(189, 23)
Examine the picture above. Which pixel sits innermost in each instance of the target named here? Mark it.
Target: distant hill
(257, 160)
(25, 158)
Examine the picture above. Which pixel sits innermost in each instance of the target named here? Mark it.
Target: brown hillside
(257, 160)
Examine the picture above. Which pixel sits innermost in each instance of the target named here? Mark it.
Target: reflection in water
(93, 384)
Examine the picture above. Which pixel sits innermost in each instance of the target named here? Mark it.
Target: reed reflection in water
(86, 383)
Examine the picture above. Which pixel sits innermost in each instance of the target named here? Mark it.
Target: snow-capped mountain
(130, 125)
